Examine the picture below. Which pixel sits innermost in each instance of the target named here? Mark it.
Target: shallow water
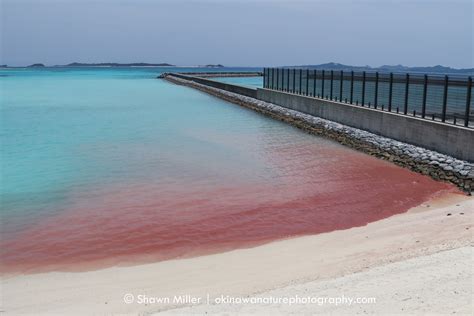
(106, 167)
(243, 81)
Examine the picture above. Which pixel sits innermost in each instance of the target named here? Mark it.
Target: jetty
(215, 74)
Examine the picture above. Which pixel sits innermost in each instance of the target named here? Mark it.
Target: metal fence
(432, 97)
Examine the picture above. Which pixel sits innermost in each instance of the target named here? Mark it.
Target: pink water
(138, 222)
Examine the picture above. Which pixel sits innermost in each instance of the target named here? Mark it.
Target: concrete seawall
(452, 140)
(215, 74)
(249, 92)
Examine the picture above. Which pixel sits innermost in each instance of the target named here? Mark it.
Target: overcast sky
(238, 33)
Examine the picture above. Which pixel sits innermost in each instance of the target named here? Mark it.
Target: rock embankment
(215, 74)
(439, 166)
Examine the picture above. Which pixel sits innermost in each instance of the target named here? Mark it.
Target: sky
(238, 33)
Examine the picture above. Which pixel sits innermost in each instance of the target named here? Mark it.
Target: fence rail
(433, 97)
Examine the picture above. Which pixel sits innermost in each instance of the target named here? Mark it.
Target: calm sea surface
(243, 81)
(111, 166)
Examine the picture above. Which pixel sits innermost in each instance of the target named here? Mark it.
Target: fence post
(445, 99)
(282, 79)
(330, 88)
(352, 85)
(300, 89)
(278, 79)
(407, 87)
(269, 78)
(425, 93)
(376, 94)
(322, 86)
(282, 87)
(468, 102)
(390, 89)
(341, 80)
(294, 80)
(282, 75)
(265, 77)
(273, 78)
(307, 82)
(363, 88)
(288, 81)
(314, 83)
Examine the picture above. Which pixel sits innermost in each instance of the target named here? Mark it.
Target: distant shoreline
(438, 69)
(111, 65)
(90, 66)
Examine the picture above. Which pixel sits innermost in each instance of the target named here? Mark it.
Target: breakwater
(420, 159)
(249, 92)
(216, 74)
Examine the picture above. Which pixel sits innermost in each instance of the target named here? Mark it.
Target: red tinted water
(312, 192)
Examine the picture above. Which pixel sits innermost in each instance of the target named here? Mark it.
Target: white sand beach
(437, 283)
(416, 262)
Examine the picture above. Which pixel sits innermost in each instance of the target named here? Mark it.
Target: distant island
(36, 65)
(388, 68)
(116, 65)
(214, 66)
(438, 69)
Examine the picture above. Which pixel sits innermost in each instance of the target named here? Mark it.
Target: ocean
(111, 166)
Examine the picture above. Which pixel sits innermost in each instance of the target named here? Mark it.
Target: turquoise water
(111, 166)
(243, 81)
(66, 128)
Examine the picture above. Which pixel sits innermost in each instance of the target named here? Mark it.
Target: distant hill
(214, 66)
(115, 65)
(388, 68)
(36, 65)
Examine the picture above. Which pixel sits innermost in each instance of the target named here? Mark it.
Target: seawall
(250, 92)
(419, 159)
(448, 139)
(215, 74)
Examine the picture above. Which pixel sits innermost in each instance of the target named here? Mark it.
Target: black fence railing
(433, 97)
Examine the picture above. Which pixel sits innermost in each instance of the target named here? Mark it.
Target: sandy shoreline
(421, 232)
(408, 286)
